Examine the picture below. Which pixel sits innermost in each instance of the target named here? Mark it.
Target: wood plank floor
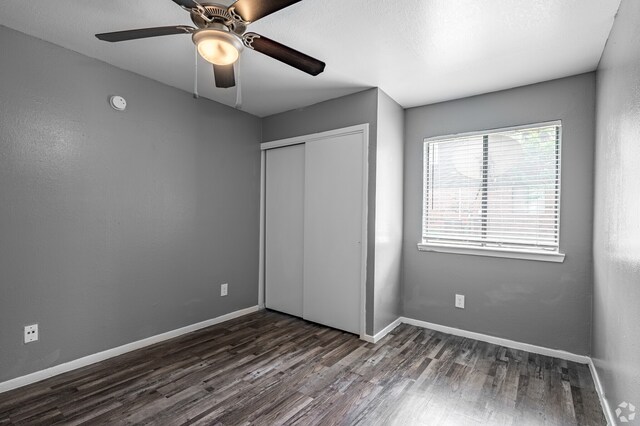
(269, 369)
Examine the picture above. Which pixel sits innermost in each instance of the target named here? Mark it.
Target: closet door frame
(362, 129)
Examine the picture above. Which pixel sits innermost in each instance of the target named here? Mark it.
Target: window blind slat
(501, 231)
(490, 242)
(495, 228)
(449, 233)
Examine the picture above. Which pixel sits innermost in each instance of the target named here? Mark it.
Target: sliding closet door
(284, 230)
(333, 231)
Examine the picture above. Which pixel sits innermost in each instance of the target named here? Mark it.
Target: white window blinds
(497, 189)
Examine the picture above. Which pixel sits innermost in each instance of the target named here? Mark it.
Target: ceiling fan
(220, 36)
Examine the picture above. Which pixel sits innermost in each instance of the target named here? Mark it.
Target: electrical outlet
(224, 289)
(31, 333)
(460, 301)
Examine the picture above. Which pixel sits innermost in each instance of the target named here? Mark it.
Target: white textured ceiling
(417, 51)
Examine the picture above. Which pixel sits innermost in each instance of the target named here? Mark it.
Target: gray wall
(616, 240)
(350, 110)
(389, 190)
(540, 303)
(115, 226)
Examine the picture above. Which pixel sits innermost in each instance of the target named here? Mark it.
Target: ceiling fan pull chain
(195, 77)
(238, 85)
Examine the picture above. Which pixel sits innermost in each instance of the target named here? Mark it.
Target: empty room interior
(419, 212)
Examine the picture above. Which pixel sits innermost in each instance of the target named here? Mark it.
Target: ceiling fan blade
(144, 33)
(224, 76)
(252, 10)
(190, 4)
(283, 53)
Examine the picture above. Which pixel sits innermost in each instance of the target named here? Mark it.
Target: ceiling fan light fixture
(218, 46)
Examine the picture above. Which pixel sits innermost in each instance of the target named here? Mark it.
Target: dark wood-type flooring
(268, 368)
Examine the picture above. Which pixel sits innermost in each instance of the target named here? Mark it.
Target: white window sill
(494, 252)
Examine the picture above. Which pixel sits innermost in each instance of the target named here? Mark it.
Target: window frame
(507, 252)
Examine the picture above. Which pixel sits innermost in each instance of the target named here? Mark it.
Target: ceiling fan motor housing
(216, 14)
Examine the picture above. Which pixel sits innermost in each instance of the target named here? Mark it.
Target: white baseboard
(382, 333)
(110, 353)
(556, 353)
(606, 408)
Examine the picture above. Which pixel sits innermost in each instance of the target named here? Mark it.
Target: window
(494, 193)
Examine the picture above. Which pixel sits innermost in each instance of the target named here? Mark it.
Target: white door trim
(261, 255)
(365, 233)
(361, 129)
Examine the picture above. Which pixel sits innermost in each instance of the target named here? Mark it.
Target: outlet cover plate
(31, 333)
(224, 289)
(460, 301)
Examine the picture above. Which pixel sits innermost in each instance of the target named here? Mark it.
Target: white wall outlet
(224, 289)
(31, 333)
(460, 301)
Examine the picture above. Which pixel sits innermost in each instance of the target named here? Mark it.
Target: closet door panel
(333, 231)
(284, 229)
